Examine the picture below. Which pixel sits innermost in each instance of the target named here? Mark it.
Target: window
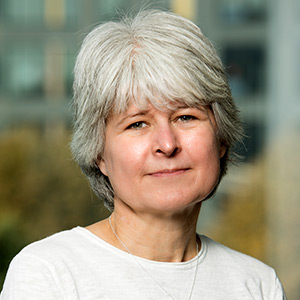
(246, 69)
(25, 12)
(23, 70)
(242, 11)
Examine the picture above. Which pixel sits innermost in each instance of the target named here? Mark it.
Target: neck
(169, 238)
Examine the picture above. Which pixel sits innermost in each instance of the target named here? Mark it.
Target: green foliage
(42, 191)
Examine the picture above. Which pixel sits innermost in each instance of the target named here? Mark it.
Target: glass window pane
(24, 71)
(240, 11)
(246, 69)
(72, 11)
(24, 12)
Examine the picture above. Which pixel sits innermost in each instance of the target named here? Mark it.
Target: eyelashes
(137, 125)
(143, 124)
(186, 118)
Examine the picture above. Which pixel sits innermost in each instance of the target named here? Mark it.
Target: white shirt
(76, 264)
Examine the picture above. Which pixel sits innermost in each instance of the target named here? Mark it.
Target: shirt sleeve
(279, 293)
(29, 277)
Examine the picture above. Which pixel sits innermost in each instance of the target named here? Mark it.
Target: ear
(102, 166)
(222, 151)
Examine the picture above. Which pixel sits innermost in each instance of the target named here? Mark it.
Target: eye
(137, 125)
(186, 118)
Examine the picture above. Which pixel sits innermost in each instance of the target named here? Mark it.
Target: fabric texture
(76, 264)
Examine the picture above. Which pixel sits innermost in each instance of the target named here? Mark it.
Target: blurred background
(257, 207)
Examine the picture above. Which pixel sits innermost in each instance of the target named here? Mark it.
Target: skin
(161, 165)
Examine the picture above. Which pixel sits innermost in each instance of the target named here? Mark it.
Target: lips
(168, 172)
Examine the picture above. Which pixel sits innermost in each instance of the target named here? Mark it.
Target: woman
(154, 128)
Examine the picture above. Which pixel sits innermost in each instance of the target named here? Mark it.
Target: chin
(173, 205)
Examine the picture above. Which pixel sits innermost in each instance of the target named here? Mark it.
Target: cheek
(204, 149)
(125, 158)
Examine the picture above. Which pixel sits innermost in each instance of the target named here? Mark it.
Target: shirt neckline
(186, 264)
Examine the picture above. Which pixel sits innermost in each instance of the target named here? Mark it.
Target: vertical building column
(55, 87)
(185, 8)
(54, 13)
(54, 69)
(283, 158)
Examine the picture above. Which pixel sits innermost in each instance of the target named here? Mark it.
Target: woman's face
(161, 161)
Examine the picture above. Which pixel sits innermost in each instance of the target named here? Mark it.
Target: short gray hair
(156, 56)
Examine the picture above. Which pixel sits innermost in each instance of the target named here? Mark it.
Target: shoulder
(216, 252)
(241, 270)
(57, 243)
(49, 248)
(44, 262)
(58, 250)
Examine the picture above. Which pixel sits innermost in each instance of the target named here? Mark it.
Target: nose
(165, 141)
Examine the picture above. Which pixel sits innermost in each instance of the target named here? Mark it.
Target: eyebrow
(146, 111)
(132, 115)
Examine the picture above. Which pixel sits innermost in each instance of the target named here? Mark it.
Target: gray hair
(157, 57)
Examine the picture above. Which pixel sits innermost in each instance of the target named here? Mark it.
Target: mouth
(168, 172)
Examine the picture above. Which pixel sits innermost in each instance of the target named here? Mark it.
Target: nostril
(175, 151)
(168, 153)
